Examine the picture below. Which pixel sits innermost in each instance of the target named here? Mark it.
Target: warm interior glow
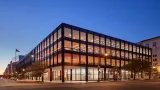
(158, 68)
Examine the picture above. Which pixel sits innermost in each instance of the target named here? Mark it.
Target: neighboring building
(153, 43)
(76, 54)
(12, 66)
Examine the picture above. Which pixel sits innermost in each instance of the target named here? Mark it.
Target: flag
(17, 50)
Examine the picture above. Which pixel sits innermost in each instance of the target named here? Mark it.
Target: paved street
(125, 85)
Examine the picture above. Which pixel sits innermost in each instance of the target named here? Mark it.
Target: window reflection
(67, 45)
(113, 62)
(59, 33)
(83, 48)
(96, 50)
(96, 60)
(113, 43)
(67, 58)
(83, 59)
(90, 49)
(108, 42)
(126, 46)
(75, 46)
(90, 60)
(90, 38)
(96, 39)
(75, 59)
(117, 44)
(55, 36)
(75, 34)
(122, 45)
(102, 41)
(67, 32)
(102, 61)
(83, 36)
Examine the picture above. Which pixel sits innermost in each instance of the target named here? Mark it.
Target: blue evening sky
(24, 23)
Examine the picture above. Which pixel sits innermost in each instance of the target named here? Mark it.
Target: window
(108, 51)
(102, 51)
(126, 46)
(83, 48)
(140, 50)
(113, 52)
(59, 58)
(134, 56)
(55, 36)
(96, 50)
(59, 33)
(122, 63)
(83, 36)
(134, 48)
(75, 46)
(155, 55)
(83, 59)
(67, 45)
(117, 44)
(122, 45)
(122, 54)
(96, 39)
(67, 58)
(155, 59)
(118, 63)
(113, 43)
(130, 47)
(118, 53)
(48, 42)
(51, 38)
(147, 45)
(55, 48)
(108, 61)
(96, 60)
(90, 38)
(108, 42)
(149, 52)
(144, 51)
(75, 59)
(67, 32)
(102, 61)
(126, 55)
(154, 44)
(113, 62)
(51, 60)
(90, 49)
(55, 60)
(102, 41)
(137, 49)
(59, 46)
(75, 34)
(90, 60)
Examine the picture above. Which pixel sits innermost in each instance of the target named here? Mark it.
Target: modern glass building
(75, 54)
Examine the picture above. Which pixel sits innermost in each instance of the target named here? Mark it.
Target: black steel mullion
(110, 51)
(71, 46)
(86, 56)
(62, 46)
(120, 53)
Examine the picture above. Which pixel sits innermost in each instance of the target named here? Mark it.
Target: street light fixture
(154, 67)
(23, 70)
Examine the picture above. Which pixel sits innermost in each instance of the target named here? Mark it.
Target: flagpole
(15, 55)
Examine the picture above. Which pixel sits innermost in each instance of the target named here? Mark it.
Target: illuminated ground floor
(75, 73)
